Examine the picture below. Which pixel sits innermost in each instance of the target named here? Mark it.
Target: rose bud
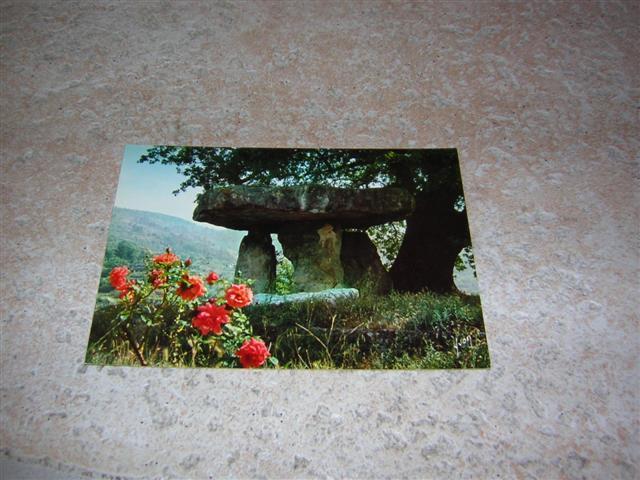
(212, 278)
(187, 262)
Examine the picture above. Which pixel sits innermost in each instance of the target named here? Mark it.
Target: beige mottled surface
(540, 99)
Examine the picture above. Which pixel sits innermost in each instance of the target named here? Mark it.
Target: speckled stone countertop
(540, 99)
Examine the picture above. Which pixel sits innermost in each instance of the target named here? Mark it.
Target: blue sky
(148, 187)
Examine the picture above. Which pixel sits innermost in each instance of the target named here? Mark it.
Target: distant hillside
(209, 248)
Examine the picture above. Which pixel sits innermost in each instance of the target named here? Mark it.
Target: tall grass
(400, 330)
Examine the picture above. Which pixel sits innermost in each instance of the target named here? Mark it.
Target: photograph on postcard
(289, 258)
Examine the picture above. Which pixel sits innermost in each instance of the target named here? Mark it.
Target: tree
(388, 240)
(466, 260)
(435, 232)
(129, 251)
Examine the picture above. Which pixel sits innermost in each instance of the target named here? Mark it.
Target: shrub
(284, 276)
(163, 317)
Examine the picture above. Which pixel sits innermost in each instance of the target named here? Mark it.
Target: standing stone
(361, 262)
(315, 255)
(257, 261)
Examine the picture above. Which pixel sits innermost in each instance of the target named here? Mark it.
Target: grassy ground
(396, 331)
(401, 330)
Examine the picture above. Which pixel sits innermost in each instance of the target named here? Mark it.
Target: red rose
(187, 262)
(118, 278)
(158, 278)
(253, 353)
(239, 296)
(210, 318)
(191, 287)
(212, 278)
(166, 258)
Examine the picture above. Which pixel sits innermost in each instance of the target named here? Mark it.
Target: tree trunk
(435, 234)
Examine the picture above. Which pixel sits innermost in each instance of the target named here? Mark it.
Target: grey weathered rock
(273, 209)
(330, 296)
(315, 255)
(361, 263)
(257, 261)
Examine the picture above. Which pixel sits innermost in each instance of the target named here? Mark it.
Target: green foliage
(121, 252)
(129, 252)
(388, 238)
(284, 275)
(465, 260)
(415, 170)
(401, 330)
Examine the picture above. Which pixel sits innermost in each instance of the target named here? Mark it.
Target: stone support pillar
(315, 254)
(257, 261)
(363, 268)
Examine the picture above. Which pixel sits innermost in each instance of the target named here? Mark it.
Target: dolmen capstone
(321, 230)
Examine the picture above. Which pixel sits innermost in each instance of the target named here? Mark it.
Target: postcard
(221, 257)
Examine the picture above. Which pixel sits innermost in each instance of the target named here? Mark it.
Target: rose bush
(165, 317)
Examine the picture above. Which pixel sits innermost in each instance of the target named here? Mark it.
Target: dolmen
(321, 230)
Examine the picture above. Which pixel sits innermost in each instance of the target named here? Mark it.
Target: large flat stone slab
(273, 209)
(330, 295)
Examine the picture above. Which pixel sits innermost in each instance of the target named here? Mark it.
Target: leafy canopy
(415, 170)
